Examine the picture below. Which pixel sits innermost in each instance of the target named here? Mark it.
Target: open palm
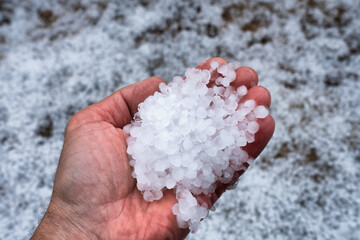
(94, 192)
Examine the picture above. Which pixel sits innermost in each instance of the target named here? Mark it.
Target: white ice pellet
(214, 65)
(250, 161)
(242, 90)
(253, 127)
(261, 112)
(251, 104)
(236, 65)
(189, 136)
(148, 196)
(127, 128)
(250, 137)
(224, 69)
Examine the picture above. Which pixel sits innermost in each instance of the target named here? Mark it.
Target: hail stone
(191, 135)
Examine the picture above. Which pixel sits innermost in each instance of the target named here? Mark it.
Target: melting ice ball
(189, 137)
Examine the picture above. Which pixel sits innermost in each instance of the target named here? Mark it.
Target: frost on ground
(189, 137)
(57, 57)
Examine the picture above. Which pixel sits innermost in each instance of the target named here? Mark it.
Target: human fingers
(266, 126)
(245, 76)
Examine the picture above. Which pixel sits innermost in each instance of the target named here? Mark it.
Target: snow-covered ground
(57, 57)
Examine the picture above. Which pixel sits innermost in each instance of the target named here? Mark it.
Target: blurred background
(57, 57)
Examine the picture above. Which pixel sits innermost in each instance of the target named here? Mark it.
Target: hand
(95, 196)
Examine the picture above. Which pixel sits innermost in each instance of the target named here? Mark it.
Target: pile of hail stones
(189, 137)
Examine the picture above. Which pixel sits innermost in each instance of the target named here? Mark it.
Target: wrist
(58, 223)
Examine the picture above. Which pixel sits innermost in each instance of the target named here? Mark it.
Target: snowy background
(57, 57)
